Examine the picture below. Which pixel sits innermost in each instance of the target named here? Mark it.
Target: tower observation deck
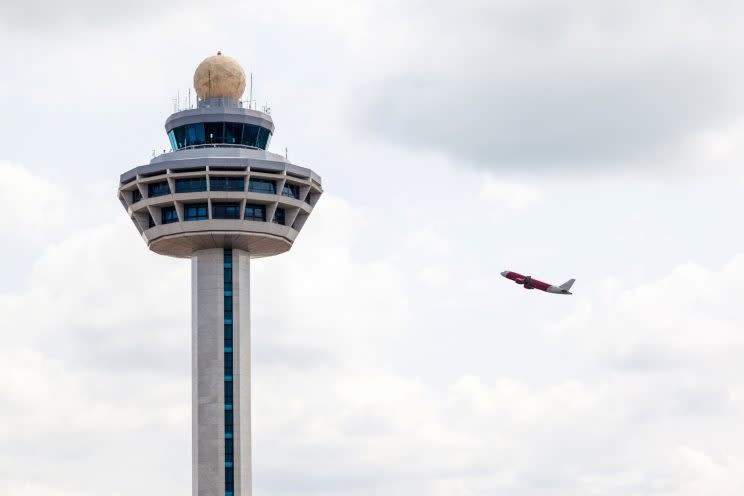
(220, 198)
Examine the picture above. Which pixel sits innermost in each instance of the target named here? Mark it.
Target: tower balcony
(198, 199)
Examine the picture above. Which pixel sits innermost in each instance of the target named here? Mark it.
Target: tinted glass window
(291, 190)
(279, 216)
(227, 184)
(250, 135)
(194, 134)
(233, 133)
(228, 364)
(262, 186)
(255, 212)
(179, 137)
(172, 138)
(226, 211)
(228, 334)
(195, 211)
(158, 189)
(263, 138)
(191, 184)
(150, 221)
(214, 132)
(169, 215)
(136, 196)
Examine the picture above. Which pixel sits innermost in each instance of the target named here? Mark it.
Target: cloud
(43, 15)
(508, 195)
(657, 426)
(553, 85)
(96, 347)
(374, 431)
(684, 320)
(33, 206)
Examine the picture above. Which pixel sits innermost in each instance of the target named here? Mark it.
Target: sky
(600, 141)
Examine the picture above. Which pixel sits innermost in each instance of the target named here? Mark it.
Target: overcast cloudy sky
(563, 138)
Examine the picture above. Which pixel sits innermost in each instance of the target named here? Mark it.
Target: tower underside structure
(220, 198)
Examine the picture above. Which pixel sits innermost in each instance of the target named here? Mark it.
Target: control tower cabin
(220, 198)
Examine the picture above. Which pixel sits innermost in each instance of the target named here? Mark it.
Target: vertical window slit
(229, 373)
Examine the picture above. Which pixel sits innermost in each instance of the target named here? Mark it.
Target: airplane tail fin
(567, 285)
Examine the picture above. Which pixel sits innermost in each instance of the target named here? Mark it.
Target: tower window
(227, 263)
(191, 184)
(226, 211)
(136, 196)
(193, 134)
(250, 135)
(263, 138)
(214, 132)
(233, 133)
(262, 186)
(228, 336)
(168, 215)
(291, 190)
(195, 211)
(227, 184)
(228, 421)
(228, 364)
(278, 216)
(172, 138)
(255, 212)
(158, 189)
(229, 480)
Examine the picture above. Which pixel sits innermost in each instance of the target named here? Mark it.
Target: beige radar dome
(219, 76)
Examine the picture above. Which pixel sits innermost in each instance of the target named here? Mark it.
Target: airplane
(529, 283)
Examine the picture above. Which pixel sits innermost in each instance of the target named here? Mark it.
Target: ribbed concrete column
(208, 373)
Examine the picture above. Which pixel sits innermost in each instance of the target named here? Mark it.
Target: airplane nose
(505, 273)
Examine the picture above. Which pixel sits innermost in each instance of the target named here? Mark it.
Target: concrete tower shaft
(221, 372)
(220, 198)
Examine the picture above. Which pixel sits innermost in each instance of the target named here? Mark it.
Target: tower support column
(221, 406)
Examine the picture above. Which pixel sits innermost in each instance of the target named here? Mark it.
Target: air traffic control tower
(220, 198)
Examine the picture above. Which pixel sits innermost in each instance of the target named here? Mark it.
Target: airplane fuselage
(528, 282)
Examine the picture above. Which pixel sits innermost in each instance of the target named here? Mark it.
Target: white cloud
(341, 308)
(94, 370)
(434, 276)
(33, 206)
(47, 15)
(509, 195)
(102, 328)
(685, 319)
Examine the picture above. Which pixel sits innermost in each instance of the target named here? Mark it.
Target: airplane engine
(519, 281)
(527, 286)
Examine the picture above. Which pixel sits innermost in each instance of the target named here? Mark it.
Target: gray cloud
(47, 14)
(547, 83)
